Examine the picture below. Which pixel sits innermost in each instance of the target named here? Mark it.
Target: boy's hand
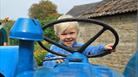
(59, 61)
(109, 47)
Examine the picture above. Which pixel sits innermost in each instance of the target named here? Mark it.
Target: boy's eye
(64, 34)
(71, 32)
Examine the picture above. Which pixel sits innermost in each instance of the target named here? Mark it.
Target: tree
(43, 9)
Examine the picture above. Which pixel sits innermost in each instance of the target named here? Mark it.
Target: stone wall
(126, 26)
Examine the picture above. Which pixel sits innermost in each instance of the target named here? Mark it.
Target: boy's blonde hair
(61, 27)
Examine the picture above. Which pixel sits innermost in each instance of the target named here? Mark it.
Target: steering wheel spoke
(91, 40)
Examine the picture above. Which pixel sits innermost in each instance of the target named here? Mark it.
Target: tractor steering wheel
(82, 48)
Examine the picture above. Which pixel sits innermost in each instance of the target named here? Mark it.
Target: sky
(19, 8)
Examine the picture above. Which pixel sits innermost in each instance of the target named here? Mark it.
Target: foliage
(43, 9)
(39, 54)
(49, 32)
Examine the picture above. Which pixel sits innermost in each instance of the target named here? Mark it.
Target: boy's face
(68, 37)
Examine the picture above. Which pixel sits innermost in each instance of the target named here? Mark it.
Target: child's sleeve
(52, 63)
(94, 50)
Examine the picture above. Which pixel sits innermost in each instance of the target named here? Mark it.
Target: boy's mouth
(68, 40)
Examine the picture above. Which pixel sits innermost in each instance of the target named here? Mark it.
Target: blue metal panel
(8, 60)
(77, 65)
(75, 69)
(83, 70)
(131, 69)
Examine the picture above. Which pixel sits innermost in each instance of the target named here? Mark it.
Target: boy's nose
(68, 36)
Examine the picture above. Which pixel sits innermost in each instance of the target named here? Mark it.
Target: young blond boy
(67, 32)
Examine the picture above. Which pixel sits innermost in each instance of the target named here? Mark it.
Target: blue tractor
(17, 61)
